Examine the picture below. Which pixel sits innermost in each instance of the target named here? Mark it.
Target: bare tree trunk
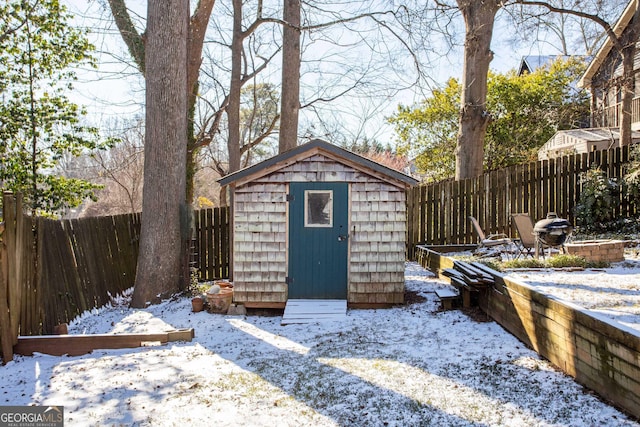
(627, 95)
(290, 97)
(159, 263)
(197, 29)
(474, 119)
(233, 109)
(136, 45)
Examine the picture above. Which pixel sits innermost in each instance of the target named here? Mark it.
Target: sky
(115, 90)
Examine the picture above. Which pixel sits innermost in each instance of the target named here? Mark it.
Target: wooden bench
(465, 285)
(447, 296)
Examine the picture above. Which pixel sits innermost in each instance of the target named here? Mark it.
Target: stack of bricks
(598, 250)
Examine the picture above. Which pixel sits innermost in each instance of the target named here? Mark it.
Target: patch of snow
(610, 294)
(407, 365)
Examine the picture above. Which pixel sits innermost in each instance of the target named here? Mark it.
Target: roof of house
(318, 146)
(564, 139)
(530, 63)
(606, 47)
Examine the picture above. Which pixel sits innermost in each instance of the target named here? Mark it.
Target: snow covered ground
(406, 366)
(610, 293)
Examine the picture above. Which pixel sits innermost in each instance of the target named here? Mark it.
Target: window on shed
(318, 208)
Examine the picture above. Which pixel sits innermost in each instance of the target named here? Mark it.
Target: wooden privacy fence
(51, 271)
(438, 213)
(211, 243)
(16, 274)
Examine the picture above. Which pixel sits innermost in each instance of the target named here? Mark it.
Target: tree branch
(135, 41)
(595, 18)
(197, 28)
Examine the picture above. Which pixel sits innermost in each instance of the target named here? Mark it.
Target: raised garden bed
(597, 250)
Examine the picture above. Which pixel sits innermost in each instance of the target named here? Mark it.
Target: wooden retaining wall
(601, 355)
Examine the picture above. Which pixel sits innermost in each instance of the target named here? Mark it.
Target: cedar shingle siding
(377, 243)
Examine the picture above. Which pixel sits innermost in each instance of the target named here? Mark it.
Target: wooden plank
(225, 238)
(459, 283)
(75, 345)
(25, 260)
(210, 242)
(447, 293)
(488, 272)
(263, 304)
(9, 239)
(313, 310)
(454, 235)
(6, 331)
(471, 270)
(422, 208)
(447, 296)
(451, 272)
(411, 218)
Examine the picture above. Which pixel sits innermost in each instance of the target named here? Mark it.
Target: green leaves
(525, 112)
(39, 125)
(594, 208)
(427, 132)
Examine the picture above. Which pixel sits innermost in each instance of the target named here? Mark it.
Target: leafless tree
(290, 101)
(563, 33)
(246, 44)
(121, 171)
(161, 269)
(479, 19)
(347, 51)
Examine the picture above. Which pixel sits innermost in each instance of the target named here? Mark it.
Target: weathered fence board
(76, 345)
(438, 212)
(82, 263)
(212, 242)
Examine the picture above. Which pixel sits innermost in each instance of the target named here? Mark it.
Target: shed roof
(318, 146)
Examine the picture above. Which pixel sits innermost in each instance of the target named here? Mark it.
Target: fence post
(7, 338)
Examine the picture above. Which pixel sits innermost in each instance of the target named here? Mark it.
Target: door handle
(343, 237)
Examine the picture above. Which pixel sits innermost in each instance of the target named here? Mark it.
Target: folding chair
(491, 240)
(526, 244)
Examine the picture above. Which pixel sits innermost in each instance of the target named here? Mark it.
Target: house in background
(531, 63)
(603, 80)
(318, 222)
(574, 141)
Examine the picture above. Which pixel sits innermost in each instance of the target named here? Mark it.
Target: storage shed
(318, 222)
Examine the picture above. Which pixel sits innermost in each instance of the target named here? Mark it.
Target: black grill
(553, 231)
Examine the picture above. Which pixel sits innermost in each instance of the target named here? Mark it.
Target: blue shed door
(318, 240)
